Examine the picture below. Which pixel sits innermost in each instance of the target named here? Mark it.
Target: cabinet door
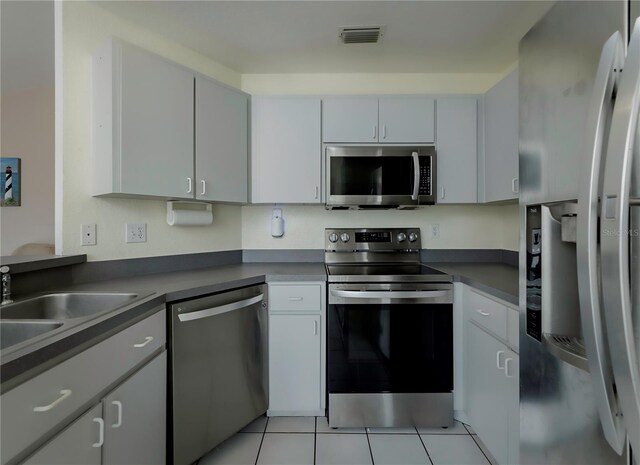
(221, 143)
(79, 444)
(487, 391)
(350, 119)
(286, 150)
(156, 124)
(513, 382)
(457, 150)
(501, 140)
(406, 119)
(135, 417)
(294, 362)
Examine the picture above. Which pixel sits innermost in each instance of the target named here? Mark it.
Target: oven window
(371, 176)
(390, 348)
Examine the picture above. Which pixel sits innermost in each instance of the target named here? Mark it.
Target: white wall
(27, 133)
(85, 26)
(461, 226)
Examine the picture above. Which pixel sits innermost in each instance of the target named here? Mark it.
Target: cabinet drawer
(39, 405)
(488, 313)
(295, 297)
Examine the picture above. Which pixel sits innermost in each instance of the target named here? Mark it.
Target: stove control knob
(345, 237)
(333, 237)
(401, 237)
(413, 237)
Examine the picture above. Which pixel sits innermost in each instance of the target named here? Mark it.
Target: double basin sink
(32, 318)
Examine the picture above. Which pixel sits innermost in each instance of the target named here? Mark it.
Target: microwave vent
(361, 35)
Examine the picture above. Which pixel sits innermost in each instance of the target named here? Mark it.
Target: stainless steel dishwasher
(218, 369)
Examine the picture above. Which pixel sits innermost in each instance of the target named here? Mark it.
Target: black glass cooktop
(391, 272)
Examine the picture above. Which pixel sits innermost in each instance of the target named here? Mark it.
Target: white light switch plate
(88, 234)
(136, 232)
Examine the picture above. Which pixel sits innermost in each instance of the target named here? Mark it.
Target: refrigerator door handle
(615, 240)
(593, 332)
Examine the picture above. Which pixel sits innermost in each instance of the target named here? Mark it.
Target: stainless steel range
(390, 331)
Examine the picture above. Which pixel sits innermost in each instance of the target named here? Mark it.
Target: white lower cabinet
(79, 444)
(127, 427)
(492, 385)
(296, 350)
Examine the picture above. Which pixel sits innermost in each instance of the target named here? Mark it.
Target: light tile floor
(309, 440)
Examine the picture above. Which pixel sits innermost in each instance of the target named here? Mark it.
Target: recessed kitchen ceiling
(304, 36)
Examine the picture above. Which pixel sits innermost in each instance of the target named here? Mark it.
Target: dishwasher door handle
(213, 311)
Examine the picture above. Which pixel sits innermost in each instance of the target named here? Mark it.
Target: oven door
(390, 338)
(380, 176)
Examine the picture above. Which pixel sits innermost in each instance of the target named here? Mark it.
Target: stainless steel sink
(15, 332)
(64, 306)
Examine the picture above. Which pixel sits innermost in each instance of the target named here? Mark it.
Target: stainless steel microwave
(380, 176)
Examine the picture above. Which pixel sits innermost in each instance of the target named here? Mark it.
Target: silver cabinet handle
(295, 299)
(499, 355)
(315, 327)
(100, 423)
(416, 176)
(118, 405)
(384, 131)
(601, 372)
(389, 294)
(514, 185)
(64, 393)
(147, 340)
(317, 192)
(615, 241)
(189, 185)
(483, 313)
(204, 187)
(442, 192)
(375, 131)
(197, 315)
(507, 363)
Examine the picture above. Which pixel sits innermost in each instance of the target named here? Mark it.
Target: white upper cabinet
(392, 119)
(406, 119)
(350, 119)
(286, 150)
(221, 142)
(501, 140)
(457, 150)
(142, 124)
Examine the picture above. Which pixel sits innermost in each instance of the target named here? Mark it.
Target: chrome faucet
(6, 285)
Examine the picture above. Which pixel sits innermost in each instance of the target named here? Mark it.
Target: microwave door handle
(416, 175)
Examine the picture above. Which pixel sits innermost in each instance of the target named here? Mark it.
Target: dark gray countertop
(496, 279)
(26, 263)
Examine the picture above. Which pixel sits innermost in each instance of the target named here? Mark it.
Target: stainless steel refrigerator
(579, 236)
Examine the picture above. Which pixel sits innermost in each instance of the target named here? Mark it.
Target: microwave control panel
(425, 176)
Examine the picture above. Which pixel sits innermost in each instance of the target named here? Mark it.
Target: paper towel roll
(176, 217)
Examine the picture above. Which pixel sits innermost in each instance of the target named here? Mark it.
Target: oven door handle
(389, 294)
(416, 176)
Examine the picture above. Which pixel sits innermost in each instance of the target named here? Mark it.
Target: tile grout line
(369, 444)
(424, 447)
(485, 455)
(264, 432)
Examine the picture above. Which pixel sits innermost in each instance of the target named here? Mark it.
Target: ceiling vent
(361, 35)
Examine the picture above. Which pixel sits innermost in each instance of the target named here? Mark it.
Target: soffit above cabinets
(304, 37)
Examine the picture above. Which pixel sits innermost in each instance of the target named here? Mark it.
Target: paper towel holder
(174, 205)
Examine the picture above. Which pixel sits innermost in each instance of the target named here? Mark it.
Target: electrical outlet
(435, 231)
(88, 234)
(136, 232)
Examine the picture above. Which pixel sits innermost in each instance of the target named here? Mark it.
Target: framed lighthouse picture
(10, 182)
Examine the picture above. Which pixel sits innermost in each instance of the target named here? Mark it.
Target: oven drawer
(391, 293)
(488, 313)
(295, 297)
